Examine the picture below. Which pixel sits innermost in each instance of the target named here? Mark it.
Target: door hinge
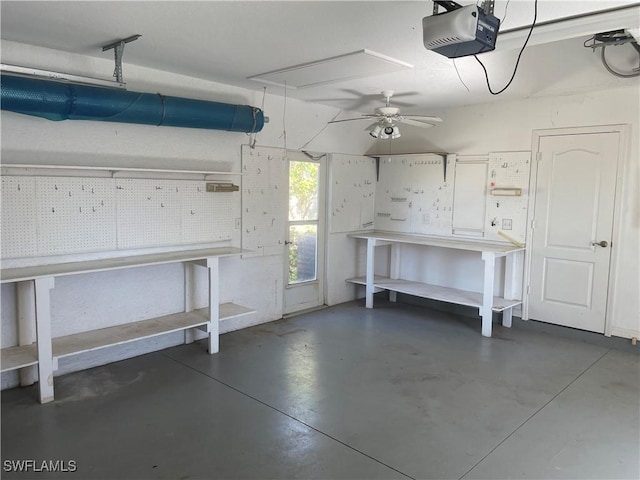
(539, 156)
(528, 289)
(533, 224)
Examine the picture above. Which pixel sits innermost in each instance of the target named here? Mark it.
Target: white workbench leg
(510, 286)
(43, 334)
(189, 297)
(214, 305)
(510, 277)
(487, 295)
(394, 268)
(371, 249)
(507, 317)
(26, 297)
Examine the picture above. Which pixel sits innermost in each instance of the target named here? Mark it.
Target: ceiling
(229, 41)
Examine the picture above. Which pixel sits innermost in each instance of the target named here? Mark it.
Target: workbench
(486, 302)
(34, 285)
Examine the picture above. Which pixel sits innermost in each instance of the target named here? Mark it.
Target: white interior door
(573, 223)
(304, 256)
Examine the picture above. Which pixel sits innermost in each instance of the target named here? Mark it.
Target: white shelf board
(498, 249)
(113, 169)
(72, 268)
(436, 292)
(363, 280)
(130, 332)
(18, 357)
(232, 310)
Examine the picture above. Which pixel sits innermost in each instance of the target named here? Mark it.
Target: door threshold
(306, 310)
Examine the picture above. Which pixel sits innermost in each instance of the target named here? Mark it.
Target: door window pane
(302, 253)
(303, 190)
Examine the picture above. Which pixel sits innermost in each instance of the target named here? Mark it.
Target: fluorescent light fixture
(359, 64)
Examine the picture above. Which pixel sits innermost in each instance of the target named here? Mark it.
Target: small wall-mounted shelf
(222, 187)
(32, 169)
(506, 192)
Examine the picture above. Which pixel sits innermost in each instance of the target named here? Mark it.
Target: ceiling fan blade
(363, 117)
(398, 103)
(348, 120)
(404, 94)
(363, 99)
(357, 101)
(415, 123)
(423, 118)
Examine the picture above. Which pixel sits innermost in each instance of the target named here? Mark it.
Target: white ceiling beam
(571, 27)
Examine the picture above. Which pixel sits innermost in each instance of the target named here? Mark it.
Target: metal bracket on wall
(224, 187)
(118, 51)
(488, 6)
(450, 6)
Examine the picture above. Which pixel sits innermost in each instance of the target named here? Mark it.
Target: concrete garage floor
(395, 392)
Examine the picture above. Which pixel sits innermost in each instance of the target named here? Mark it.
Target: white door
(304, 256)
(573, 223)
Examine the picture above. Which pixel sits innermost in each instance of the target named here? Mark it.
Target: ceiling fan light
(375, 131)
(395, 132)
(383, 134)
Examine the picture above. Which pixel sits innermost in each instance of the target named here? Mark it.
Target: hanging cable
(612, 71)
(321, 130)
(506, 9)
(459, 77)
(613, 38)
(486, 75)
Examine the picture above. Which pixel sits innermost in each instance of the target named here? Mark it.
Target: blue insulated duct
(62, 101)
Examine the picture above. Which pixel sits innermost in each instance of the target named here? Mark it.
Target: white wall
(257, 282)
(508, 126)
(102, 299)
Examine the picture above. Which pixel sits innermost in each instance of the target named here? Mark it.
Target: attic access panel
(359, 64)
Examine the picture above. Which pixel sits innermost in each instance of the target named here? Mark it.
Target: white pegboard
(74, 215)
(206, 216)
(149, 213)
(508, 213)
(352, 193)
(412, 195)
(46, 215)
(19, 234)
(264, 199)
(470, 196)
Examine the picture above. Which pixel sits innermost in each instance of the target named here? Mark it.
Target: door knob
(602, 244)
(287, 242)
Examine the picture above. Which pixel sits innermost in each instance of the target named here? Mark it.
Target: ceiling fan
(387, 117)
